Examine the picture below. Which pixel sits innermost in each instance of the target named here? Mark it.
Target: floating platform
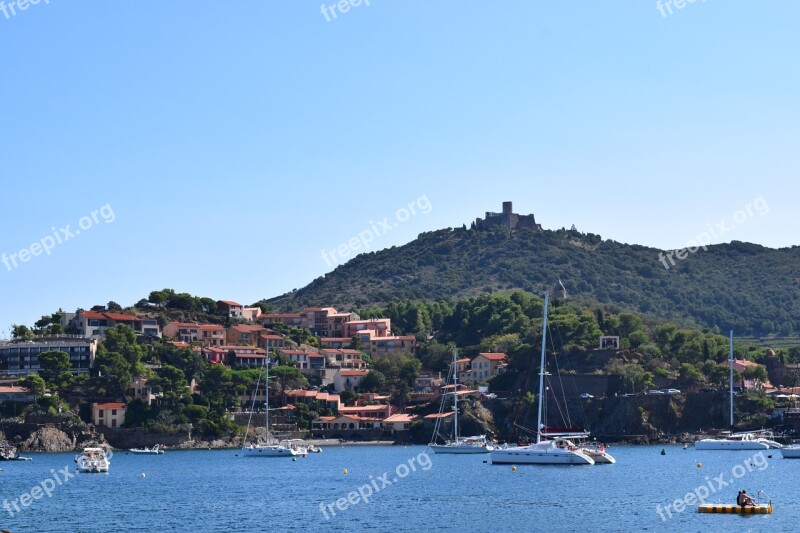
(723, 508)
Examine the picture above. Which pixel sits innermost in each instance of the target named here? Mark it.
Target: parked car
(653, 392)
(586, 396)
(671, 391)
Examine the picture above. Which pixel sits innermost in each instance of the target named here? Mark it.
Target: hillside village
(342, 376)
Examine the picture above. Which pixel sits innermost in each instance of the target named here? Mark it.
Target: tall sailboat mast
(266, 399)
(455, 396)
(541, 374)
(731, 379)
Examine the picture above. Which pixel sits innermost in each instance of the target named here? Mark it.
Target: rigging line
(253, 408)
(566, 420)
(572, 378)
(437, 425)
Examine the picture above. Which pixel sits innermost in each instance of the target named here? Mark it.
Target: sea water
(395, 488)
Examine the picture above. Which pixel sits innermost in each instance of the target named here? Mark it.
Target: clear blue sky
(234, 141)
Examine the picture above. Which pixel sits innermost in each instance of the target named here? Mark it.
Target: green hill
(749, 288)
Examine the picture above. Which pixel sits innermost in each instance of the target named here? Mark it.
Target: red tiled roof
(230, 303)
(494, 356)
(109, 405)
(402, 417)
(247, 327)
(93, 315)
(353, 373)
(211, 327)
(13, 390)
(439, 415)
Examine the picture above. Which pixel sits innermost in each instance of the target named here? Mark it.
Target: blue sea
(401, 489)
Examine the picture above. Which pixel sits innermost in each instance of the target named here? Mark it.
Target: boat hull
(530, 455)
(270, 451)
(792, 452)
(461, 449)
(723, 444)
(600, 458)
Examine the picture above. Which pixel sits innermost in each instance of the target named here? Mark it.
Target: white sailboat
(284, 448)
(748, 440)
(558, 451)
(459, 444)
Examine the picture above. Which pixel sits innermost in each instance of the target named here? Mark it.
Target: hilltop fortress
(507, 219)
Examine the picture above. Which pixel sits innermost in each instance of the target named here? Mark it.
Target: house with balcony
(378, 411)
(399, 422)
(18, 357)
(208, 334)
(245, 334)
(231, 309)
(110, 415)
(386, 345)
(348, 379)
(17, 394)
(483, 367)
(292, 320)
(273, 341)
(381, 326)
(140, 390)
(245, 355)
(335, 343)
(95, 323)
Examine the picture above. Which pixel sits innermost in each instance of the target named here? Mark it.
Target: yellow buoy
(513, 468)
(699, 465)
(344, 472)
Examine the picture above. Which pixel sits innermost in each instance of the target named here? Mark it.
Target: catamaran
(458, 444)
(559, 450)
(284, 448)
(747, 440)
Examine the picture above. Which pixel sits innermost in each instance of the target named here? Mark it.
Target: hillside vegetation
(745, 287)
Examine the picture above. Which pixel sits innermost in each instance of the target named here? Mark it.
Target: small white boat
(791, 452)
(92, 460)
(155, 450)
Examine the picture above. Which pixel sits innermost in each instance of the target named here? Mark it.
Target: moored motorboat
(155, 450)
(92, 460)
